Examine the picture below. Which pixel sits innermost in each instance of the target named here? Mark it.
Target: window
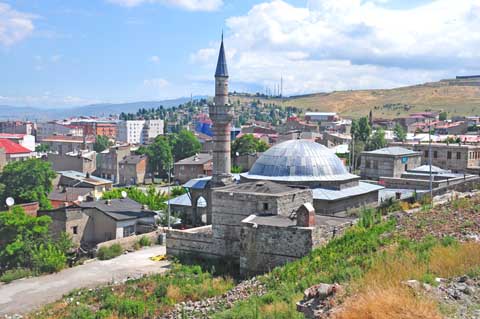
(367, 164)
(128, 230)
(459, 155)
(449, 155)
(435, 154)
(375, 164)
(425, 154)
(265, 206)
(75, 230)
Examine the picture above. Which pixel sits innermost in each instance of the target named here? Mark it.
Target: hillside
(454, 96)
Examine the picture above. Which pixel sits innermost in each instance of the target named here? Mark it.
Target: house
(18, 127)
(81, 161)
(90, 223)
(15, 152)
(78, 179)
(198, 165)
(62, 196)
(453, 128)
(65, 144)
(133, 169)
(108, 162)
(26, 140)
(389, 162)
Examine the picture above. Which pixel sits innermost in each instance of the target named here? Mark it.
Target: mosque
(295, 197)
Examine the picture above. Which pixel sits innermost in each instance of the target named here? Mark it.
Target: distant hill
(31, 113)
(457, 97)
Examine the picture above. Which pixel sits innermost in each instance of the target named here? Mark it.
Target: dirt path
(25, 295)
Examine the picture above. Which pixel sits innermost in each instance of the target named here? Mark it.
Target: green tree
(248, 144)
(160, 155)
(361, 129)
(101, 143)
(42, 148)
(184, 144)
(28, 181)
(442, 116)
(400, 133)
(376, 141)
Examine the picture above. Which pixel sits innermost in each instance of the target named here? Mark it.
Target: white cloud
(154, 59)
(14, 25)
(157, 83)
(349, 44)
(190, 5)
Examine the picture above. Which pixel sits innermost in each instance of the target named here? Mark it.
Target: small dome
(299, 160)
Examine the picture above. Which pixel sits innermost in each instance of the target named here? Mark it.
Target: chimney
(306, 216)
(108, 202)
(144, 207)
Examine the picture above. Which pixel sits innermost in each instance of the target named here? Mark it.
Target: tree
(101, 143)
(442, 116)
(248, 144)
(361, 129)
(28, 181)
(399, 133)
(42, 148)
(160, 155)
(184, 144)
(376, 141)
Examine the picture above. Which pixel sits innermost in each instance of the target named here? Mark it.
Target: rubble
(318, 301)
(202, 308)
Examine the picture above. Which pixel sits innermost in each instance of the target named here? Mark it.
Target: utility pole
(168, 193)
(430, 158)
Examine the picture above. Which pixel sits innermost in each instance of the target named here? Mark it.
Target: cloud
(157, 83)
(154, 59)
(190, 5)
(46, 99)
(348, 44)
(14, 25)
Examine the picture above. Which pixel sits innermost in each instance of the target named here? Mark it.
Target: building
(321, 116)
(80, 161)
(63, 144)
(90, 223)
(332, 139)
(77, 179)
(14, 152)
(48, 129)
(62, 196)
(459, 158)
(18, 127)
(388, 162)
(294, 124)
(132, 170)
(198, 165)
(26, 140)
(108, 162)
(96, 127)
(139, 131)
(451, 128)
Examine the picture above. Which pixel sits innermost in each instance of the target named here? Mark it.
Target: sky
(62, 53)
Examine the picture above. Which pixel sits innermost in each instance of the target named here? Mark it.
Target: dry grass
(388, 303)
(174, 293)
(380, 294)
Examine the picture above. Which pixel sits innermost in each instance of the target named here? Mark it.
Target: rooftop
(259, 187)
(393, 150)
(13, 148)
(284, 221)
(68, 194)
(200, 158)
(94, 180)
(133, 159)
(67, 138)
(332, 194)
(119, 209)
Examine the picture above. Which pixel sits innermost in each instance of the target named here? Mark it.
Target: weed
(14, 274)
(110, 252)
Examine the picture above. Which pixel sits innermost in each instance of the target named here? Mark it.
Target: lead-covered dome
(299, 160)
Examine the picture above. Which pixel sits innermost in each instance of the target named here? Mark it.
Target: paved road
(25, 295)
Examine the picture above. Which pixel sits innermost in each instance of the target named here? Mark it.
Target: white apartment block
(139, 131)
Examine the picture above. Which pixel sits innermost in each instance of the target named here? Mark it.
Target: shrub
(81, 312)
(109, 252)
(177, 191)
(131, 308)
(14, 274)
(144, 241)
(48, 258)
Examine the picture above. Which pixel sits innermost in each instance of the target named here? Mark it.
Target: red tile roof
(11, 136)
(12, 148)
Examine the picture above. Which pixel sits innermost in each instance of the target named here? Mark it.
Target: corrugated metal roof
(331, 194)
(393, 150)
(184, 200)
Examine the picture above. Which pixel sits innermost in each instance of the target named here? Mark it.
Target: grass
(14, 274)
(105, 253)
(146, 297)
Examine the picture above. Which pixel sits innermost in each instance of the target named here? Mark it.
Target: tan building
(133, 169)
(81, 161)
(109, 160)
(77, 179)
(65, 144)
(199, 165)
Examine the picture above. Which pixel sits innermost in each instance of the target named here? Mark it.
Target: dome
(299, 160)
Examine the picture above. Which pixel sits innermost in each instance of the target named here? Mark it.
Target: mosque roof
(299, 161)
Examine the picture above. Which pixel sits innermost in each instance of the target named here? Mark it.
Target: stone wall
(128, 242)
(195, 242)
(323, 207)
(374, 166)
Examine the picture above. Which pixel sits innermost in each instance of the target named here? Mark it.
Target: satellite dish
(80, 198)
(10, 201)
(124, 194)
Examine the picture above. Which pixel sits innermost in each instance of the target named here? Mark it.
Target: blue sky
(75, 52)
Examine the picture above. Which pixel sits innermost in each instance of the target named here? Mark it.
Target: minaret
(221, 114)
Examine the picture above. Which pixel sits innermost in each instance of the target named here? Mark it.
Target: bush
(131, 308)
(144, 241)
(48, 258)
(14, 274)
(105, 253)
(81, 312)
